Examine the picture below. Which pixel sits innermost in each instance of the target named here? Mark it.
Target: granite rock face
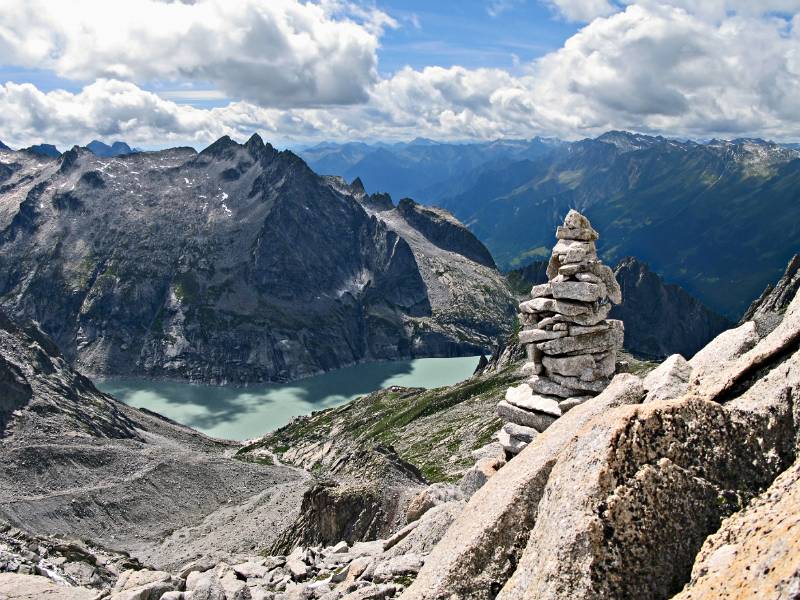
(570, 344)
(238, 264)
(756, 552)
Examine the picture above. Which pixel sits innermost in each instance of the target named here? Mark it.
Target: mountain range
(98, 148)
(233, 265)
(702, 215)
(415, 169)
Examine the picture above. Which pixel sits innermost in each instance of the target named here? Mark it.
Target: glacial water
(243, 413)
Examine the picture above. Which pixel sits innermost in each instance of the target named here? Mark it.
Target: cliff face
(660, 318)
(768, 309)
(238, 264)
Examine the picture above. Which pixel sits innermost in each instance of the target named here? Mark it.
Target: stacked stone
(571, 344)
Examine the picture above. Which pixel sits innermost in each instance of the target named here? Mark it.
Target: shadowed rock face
(660, 318)
(238, 264)
(756, 553)
(767, 311)
(442, 229)
(50, 398)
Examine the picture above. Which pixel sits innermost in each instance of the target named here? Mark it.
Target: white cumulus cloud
(274, 53)
(652, 67)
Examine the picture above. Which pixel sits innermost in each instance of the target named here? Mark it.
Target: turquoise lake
(241, 413)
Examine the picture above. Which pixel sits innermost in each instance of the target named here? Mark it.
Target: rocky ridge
(571, 346)
(617, 497)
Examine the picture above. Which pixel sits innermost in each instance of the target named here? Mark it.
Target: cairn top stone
(576, 227)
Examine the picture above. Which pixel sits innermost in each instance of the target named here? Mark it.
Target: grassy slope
(435, 430)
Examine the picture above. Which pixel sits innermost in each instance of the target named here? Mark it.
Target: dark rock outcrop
(441, 228)
(364, 499)
(235, 265)
(48, 150)
(661, 318)
(104, 150)
(768, 309)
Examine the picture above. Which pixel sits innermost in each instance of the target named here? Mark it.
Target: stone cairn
(571, 345)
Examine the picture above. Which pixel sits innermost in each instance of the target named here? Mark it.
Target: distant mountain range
(48, 150)
(106, 151)
(237, 264)
(416, 169)
(96, 147)
(720, 218)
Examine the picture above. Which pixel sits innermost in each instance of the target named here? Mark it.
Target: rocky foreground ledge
(683, 483)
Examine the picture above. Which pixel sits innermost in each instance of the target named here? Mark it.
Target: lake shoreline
(95, 376)
(239, 413)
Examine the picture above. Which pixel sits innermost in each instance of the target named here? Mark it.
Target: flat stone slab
(541, 290)
(582, 329)
(574, 251)
(586, 367)
(578, 384)
(543, 385)
(569, 403)
(592, 318)
(509, 443)
(582, 291)
(522, 396)
(520, 432)
(590, 343)
(576, 233)
(520, 416)
(563, 307)
(530, 336)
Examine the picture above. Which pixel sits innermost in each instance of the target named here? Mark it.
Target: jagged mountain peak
(47, 150)
(102, 149)
(252, 246)
(3, 146)
(219, 148)
(627, 141)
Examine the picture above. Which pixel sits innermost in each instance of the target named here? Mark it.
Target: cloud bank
(304, 72)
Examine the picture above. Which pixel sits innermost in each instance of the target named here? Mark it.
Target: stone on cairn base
(571, 344)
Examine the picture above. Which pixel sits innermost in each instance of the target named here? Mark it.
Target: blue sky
(157, 72)
(471, 34)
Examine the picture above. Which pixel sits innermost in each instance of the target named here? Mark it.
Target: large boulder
(756, 552)
(35, 587)
(630, 501)
(480, 550)
(615, 501)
